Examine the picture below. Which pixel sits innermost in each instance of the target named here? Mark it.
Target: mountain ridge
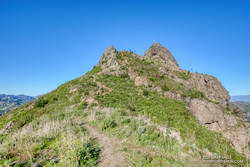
(245, 98)
(161, 114)
(9, 102)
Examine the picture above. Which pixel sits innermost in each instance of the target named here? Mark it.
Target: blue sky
(44, 43)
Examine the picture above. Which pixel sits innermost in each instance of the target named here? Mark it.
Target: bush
(131, 107)
(165, 88)
(95, 70)
(108, 123)
(194, 94)
(88, 155)
(145, 93)
(183, 74)
(41, 102)
(126, 121)
(82, 106)
(153, 79)
(124, 75)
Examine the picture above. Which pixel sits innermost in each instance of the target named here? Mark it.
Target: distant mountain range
(245, 98)
(244, 105)
(243, 101)
(9, 102)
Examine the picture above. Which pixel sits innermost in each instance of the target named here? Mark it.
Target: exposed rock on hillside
(207, 99)
(209, 114)
(159, 52)
(109, 61)
(211, 87)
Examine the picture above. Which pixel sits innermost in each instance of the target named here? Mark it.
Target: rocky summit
(129, 110)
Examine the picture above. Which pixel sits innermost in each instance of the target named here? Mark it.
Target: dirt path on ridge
(111, 156)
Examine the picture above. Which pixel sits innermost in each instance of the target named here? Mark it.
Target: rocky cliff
(141, 110)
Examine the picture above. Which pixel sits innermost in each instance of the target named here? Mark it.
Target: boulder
(208, 114)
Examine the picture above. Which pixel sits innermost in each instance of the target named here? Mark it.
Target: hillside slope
(129, 110)
(9, 102)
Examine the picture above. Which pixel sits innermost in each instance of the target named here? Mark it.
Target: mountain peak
(155, 52)
(161, 53)
(146, 100)
(109, 54)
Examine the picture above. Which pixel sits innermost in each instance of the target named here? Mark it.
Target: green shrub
(108, 123)
(153, 79)
(82, 106)
(145, 92)
(55, 99)
(125, 75)
(41, 102)
(88, 155)
(165, 88)
(183, 74)
(194, 94)
(123, 112)
(131, 107)
(125, 53)
(126, 121)
(95, 70)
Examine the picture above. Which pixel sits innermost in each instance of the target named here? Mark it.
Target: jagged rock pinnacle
(109, 55)
(160, 52)
(109, 61)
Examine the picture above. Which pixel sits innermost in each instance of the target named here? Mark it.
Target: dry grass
(46, 138)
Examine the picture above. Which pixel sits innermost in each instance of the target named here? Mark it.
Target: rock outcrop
(159, 52)
(108, 61)
(211, 87)
(213, 111)
(209, 114)
(239, 137)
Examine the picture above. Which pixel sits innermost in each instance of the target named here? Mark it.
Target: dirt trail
(111, 156)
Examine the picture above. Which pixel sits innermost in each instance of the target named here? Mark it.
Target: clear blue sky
(44, 43)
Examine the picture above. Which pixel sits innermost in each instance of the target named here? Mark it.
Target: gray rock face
(109, 62)
(211, 87)
(240, 138)
(214, 118)
(159, 52)
(239, 111)
(208, 114)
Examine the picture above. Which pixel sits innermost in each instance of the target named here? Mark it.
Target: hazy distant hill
(241, 98)
(245, 106)
(243, 101)
(9, 102)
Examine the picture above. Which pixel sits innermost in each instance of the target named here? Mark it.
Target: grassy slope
(50, 131)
